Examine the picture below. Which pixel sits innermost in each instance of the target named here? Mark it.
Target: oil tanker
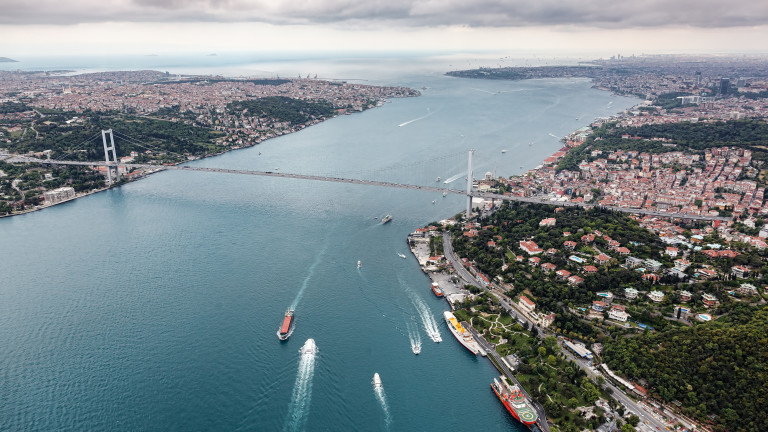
(287, 328)
(516, 403)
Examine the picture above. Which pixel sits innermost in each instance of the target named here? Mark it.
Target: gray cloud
(415, 13)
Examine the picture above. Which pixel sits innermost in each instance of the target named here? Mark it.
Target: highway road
(618, 394)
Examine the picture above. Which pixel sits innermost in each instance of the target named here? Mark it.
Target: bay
(154, 306)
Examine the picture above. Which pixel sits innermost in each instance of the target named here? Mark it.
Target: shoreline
(160, 167)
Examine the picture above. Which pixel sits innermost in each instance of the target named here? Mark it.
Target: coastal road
(618, 394)
(469, 279)
(491, 350)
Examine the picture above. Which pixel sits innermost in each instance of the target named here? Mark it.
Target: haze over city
(548, 28)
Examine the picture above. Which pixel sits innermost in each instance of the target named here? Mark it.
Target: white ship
(377, 380)
(461, 333)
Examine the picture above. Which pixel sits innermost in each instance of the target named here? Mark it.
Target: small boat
(377, 381)
(504, 150)
(445, 194)
(309, 347)
(416, 349)
(433, 201)
(401, 255)
(359, 264)
(436, 289)
(386, 219)
(437, 179)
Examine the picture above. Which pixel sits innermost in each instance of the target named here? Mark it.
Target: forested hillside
(718, 368)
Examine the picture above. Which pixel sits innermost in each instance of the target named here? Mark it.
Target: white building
(58, 195)
(656, 296)
(618, 314)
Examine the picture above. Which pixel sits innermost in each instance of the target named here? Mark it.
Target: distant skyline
(543, 27)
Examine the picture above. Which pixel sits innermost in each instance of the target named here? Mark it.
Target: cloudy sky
(557, 27)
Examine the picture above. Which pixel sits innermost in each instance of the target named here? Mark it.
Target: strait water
(154, 306)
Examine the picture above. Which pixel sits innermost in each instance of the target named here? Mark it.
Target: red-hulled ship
(436, 289)
(287, 328)
(515, 401)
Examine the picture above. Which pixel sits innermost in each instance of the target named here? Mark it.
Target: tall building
(724, 83)
(698, 79)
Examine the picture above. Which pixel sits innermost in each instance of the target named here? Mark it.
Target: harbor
(443, 271)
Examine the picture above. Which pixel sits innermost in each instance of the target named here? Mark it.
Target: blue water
(154, 306)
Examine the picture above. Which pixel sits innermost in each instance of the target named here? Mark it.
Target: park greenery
(283, 109)
(702, 368)
(541, 368)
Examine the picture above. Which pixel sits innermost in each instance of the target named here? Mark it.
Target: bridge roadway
(534, 200)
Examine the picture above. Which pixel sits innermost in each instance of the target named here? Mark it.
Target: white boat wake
(430, 325)
(311, 272)
(414, 337)
(302, 389)
(553, 135)
(415, 120)
(454, 178)
(382, 397)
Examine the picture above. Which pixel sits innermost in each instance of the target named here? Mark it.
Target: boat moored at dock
(515, 401)
(287, 328)
(436, 289)
(461, 333)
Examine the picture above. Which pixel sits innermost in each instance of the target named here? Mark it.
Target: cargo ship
(516, 403)
(461, 333)
(436, 289)
(386, 219)
(287, 328)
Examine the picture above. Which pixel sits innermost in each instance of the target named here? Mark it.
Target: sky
(525, 27)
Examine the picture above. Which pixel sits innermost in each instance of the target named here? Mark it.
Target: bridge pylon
(469, 184)
(110, 148)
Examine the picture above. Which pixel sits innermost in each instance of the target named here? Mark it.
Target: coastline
(138, 177)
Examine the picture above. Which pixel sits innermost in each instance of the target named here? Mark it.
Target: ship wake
(414, 337)
(415, 120)
(382, 398)
(310, 273)
(454, 178)
(302, 389)
(430, 325)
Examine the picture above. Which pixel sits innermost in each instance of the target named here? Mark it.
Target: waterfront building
(58, 195)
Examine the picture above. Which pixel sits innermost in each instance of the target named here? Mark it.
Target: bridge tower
(469, 184)
(107, 149)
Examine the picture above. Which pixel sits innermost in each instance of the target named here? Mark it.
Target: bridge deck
(533, 200)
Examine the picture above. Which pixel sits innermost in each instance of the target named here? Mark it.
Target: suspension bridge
(113, 166)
